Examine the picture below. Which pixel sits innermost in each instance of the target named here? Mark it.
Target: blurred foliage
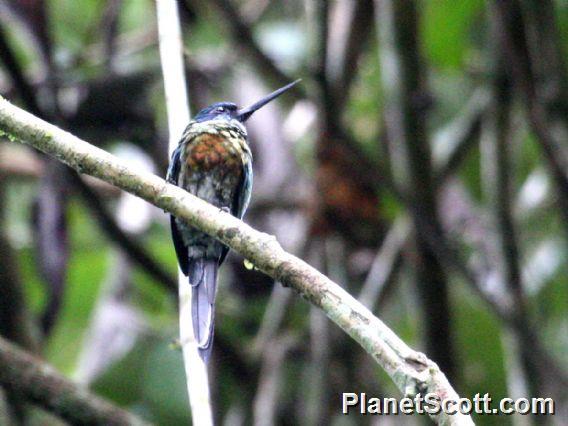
(149, 378)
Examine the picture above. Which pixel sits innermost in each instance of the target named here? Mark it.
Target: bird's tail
(202, 274)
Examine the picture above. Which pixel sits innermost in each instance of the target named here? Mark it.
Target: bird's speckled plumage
(215, 164)
(212, 161)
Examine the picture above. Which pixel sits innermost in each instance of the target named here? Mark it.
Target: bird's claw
(225, 209)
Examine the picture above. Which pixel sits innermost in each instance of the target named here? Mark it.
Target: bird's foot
(225, 209)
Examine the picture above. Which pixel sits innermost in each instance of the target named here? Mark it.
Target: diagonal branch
(15, 72)
(40, 384)
(243, 36)
(135, 252)
(411, 371)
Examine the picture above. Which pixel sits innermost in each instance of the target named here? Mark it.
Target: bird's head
(229, 111)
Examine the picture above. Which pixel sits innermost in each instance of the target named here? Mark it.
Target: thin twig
(359, 30)
(453, 142)
(52, 240)
(109, 28)
(16, 74)
(265, 405)
(274, 314)
(242, 35)
(385, 264)
(171, 57)
(135, 252)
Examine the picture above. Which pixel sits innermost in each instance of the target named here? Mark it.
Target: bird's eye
(220, 109)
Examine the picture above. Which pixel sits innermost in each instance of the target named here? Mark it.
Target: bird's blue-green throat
(212, 161)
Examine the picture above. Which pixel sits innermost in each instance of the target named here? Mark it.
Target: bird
(212, 161)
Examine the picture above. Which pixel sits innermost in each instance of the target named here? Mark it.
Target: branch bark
(411, 371)
(39, 383)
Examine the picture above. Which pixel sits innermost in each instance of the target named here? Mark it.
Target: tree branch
(404, 82)
(171, 59)
(39, 383)
(411, 371)
(242, 34)
(131, 248)
(15, 72)
(549, 129)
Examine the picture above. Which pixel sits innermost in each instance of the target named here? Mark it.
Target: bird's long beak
(245, 113)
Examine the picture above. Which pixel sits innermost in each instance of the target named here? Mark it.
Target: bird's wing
(241, 200)
(243, 192)
(172, 177)
(181, 248)
(175, 166)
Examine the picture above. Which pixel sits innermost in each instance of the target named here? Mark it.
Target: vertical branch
(496, 151)
(171, 56)
(496, 144)
(550, 129)
(404, 83)
(15, 321)
(270, 386)
(544, 41)
(52, 240)
(316, 382)
(109, 28)
(321, 65)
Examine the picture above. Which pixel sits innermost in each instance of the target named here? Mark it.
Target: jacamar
(212, 161)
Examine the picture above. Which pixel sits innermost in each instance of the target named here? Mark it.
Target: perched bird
(212, 161)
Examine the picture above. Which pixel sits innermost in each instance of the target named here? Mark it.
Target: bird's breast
(209, 151)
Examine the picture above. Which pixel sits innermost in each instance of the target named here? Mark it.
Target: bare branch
(16, 74)
(550, 129)
(135, 252)
(405, 85)
(265, 405)
(411, 371)
(40, 384)
(243, 37)
(385, 264)
(171, 59)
